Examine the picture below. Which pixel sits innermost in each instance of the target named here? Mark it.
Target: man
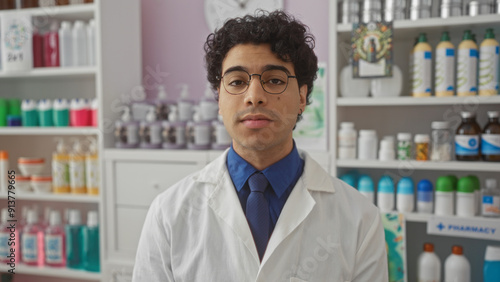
(263, 211)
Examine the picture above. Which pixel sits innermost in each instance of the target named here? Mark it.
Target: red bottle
(37, 49)
(51, 46)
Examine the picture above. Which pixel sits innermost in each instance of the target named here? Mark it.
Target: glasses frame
(260, 80)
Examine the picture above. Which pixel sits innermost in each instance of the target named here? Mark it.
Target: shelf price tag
(476, 227)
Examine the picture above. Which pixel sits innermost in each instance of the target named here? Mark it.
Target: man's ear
(303, 97)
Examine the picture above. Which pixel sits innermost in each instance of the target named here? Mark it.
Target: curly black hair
(290, 40)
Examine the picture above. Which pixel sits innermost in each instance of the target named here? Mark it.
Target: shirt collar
(280, 174)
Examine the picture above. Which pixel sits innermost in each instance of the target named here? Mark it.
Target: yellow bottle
(60, 169)
(92, 169)
(488, 65)
(422, 62)
(467, 66)
(77, 169)
(445, 67)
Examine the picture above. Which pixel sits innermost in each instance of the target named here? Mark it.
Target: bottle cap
(126, 116)
(365, 184)
(440, 125)
(405, 186)
(92, 219)
(403, 136)
(44, 105)
(60, 104)
(424, 185)
(491, 183)
(79, 24)
(454, 180)
(78, 104)
(444, 184)
(386, 185)
(492, 253)
(65, 25)
(60, 147)
(467, 35)
(466, 185)
(185, 91)
(74, 217)
(162, 93)
(476, 182)
(151, 115)
(445, 36)
(4, 155)
(457, 250)
(489, 34)
(428, 247)
(422, 138)
(28, 105)
(367, 133)
(94, 105)
(347, 125)
(386, 145)
(422, 37)
(467, 114)
(493, 114)
(55, 218)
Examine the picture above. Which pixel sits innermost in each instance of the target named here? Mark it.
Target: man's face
(257, 120)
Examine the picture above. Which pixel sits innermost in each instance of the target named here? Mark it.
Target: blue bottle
(74, 241)
(425, 198)
(491, 269)
(385, 194)
(367, 187)
(91, 256)
(405, 197)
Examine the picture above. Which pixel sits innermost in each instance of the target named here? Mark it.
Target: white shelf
(70, 12)
(49, 130)
(52, 72)
(435, 23)
(420, 165)
(412, 101)
(159, 155)
(54, 272)
(55, 197)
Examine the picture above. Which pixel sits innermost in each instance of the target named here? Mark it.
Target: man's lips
(256, 121)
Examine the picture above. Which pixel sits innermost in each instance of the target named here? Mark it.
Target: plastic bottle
(91, 43)
(425, 198)
(126, 131)
(7, 243)
(51, 46)
(476, 184)
(162, 104)
(174, 131)
(445, 67)
(92, 176)
(347, 141)
(490, 195)
(411, 66)
(349, 179)
(198, 132)
(32, 243)
(491, 269)
(490, 139)
(422, 62)
(60, 109)
(79, 44)
(422, 147)
(221, 138)
(91, 257)
(404, 146)
(352, 87)
(366, 187)
(405, 195)
(385, 194)
(55, 241)
(45, 113)
(441, 141)
(94, 108)
(209, 108)
(367, 145)
(185, 105)
(29, 112)
(7, 4)
(4, 171)
(4, 111)
(60, 168)
(488, 65)
(37, 49)
(466, 202)
(77, 169)
(445, 202)
(467, 66)
(388, 86)
(456, 266)
(467, 137)
(66, 44)
(429, 265)
(74, 240)
(150, 132)
(79, 112)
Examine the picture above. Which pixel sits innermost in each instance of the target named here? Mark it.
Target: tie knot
(257, 182)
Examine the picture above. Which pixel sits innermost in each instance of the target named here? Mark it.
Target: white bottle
(185, 105)
(79, 44)
(221, 138)
(490, 204)
(66, 44)
(353, 87)
(385, 194)
(457, 267)
(386, 152)
(388, 86)
(367, 145)
(347, 141)
(91, 43)
(405, 195)
(4, 169)
(198, 132)
(209, 108)
(429, 265)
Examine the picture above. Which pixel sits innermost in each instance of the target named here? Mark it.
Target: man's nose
(255, 95)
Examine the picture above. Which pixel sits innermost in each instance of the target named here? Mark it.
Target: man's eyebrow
(276, 67)
(235, 68)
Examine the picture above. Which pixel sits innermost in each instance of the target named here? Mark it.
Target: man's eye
(275, 81)
(237, 83)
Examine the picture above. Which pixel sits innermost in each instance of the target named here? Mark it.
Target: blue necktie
(257, 212)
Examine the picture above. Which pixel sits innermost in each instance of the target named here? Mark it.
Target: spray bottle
(77, 169)
(185, 105)
(92, 168)
(488, 65)
(60, 168)
(467, 66)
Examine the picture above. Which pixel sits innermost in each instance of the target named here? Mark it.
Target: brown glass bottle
(62, 2)
(89, 1)
(7, 4)
(490, 140)
(467, 139)
(29, 4)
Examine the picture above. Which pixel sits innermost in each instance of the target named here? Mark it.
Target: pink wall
(173, 34)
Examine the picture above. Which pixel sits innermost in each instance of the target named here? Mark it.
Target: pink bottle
(7, 242)
(79, 112)
(32, 241)
(51, 46)
(37, 49)
(55, 242)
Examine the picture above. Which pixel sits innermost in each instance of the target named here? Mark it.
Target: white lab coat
(197, 231)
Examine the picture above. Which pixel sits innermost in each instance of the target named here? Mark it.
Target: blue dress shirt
(282, 176)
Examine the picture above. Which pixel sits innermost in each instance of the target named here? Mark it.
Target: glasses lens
(236, 82)
(274, 81)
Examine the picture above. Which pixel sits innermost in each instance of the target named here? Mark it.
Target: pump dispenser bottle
(467, 66)
(55, 241)
(185, 105)
(198, 132)
(220, 137)
(60, 168)
(126, 131)
(209, 108)
(162, 104)
(77, 169)
(174, 131)
(150, 131)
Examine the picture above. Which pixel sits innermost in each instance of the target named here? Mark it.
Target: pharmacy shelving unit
(118, 70)
(390, 115)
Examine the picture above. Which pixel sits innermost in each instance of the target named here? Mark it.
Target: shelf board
(70, 198)
(412, 101)
(49, 130)
(420, 165)
(437, 23)
(51, 72)
(182, 155)
(54, 272)
(70, 12)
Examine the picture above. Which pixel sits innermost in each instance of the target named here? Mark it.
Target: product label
(201, 135)
(445, 70)
(491, 205)
(54, 248)
(151, 134)
(92, 173)
(488, 68)
(424, 197)
(422, 62)
(132, 134)
(77, 174)
(30, 248)
(4, 245)
(404, 150)
(467, 70)
(467, 145)
(60, 174)
(490, 144)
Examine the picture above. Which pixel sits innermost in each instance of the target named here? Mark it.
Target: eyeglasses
(273, 81)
